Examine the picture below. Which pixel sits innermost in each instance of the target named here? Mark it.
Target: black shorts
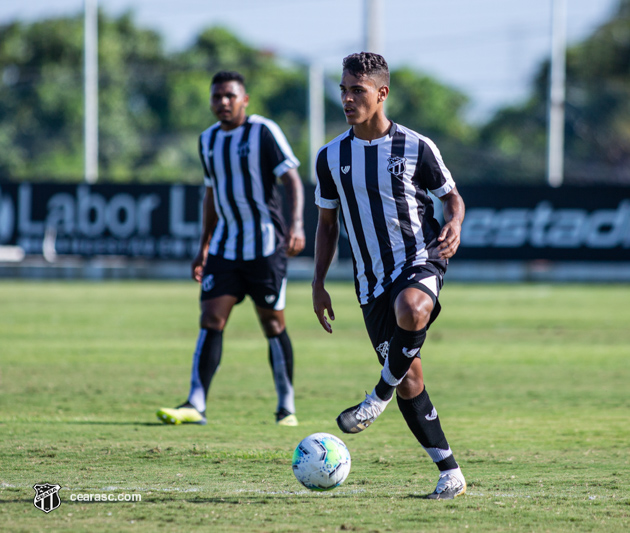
(264, 279)
(379, 315)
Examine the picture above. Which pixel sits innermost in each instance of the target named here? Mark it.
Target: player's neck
(374, 128)
(232, 125)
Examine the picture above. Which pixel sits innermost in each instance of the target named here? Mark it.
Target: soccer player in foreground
(244, 244)
(379, 174)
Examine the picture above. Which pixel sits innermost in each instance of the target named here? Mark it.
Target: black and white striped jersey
(382, 189)
(242, 166)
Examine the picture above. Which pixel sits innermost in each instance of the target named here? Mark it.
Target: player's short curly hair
(367, 64)
(224, 76)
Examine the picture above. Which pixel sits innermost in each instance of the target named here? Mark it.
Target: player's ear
(382, 93)
(246, 99)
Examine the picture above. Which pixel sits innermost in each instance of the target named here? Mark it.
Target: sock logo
(383, 349)
(432, 415)
(410, 352)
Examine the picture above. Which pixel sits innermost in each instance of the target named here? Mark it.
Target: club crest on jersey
(243, 149)
(207, 283)
(46, 497)
(396, 165)
(345, 169)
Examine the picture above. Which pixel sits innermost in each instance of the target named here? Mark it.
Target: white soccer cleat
(359, 417)
(450, 485)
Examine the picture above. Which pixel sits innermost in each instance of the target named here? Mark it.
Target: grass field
(531, 383)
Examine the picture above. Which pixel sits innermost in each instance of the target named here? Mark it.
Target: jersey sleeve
(431, 171)
(204, 159)
(276, 148)
(326, 194)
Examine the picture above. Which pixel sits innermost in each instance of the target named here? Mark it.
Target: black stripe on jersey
(402, 208)
(430, 226)
(328, 190)
(247, 184)
(345, 160)
(229, 189)
(378, 215)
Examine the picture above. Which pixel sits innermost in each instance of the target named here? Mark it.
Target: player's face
(228, 102)
(361, 97)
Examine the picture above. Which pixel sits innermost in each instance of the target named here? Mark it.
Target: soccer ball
(321, 462)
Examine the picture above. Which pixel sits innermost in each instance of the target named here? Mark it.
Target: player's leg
(206, 360)
(413, 310)
(207, 357)
(281, 361)
(424, 422)
(221, 289)
(380, 323)
(396, 322)
(266, 280)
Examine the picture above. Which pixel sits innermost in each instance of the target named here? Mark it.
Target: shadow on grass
(104, 423)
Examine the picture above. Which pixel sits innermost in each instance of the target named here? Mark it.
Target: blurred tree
(597, 130)
(436, 111)
(152, 106)
(41, 104)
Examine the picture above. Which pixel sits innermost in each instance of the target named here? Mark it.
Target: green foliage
(154, 104)
(530, 382)
(597, 129)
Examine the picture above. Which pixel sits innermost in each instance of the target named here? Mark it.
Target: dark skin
(362, 98)
(228, 102)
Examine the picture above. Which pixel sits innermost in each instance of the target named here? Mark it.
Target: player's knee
(209, 320)
(272, 328)
(413, 314)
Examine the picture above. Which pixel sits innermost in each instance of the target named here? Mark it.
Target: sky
(488, 49)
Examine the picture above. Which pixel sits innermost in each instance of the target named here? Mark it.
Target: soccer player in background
(379, 174)
(244, 243)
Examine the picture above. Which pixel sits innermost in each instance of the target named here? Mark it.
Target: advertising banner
(164, 221)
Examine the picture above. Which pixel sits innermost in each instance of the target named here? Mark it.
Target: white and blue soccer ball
(321, 462)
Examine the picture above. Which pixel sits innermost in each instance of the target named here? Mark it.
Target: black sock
(403, 348)
(281, 361)
(206, 360)
(424, 423)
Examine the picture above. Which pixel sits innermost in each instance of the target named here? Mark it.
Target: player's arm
(295, 196)
(326, 239)
(454, 210)
(208, 223)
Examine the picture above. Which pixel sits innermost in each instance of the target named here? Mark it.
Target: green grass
(531, 383)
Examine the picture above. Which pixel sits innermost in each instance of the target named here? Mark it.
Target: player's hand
(295, 241)
(449, 239)
(321, 305)
(196, 267)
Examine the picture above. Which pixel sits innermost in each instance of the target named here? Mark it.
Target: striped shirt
(242, 166)
(382, 188)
